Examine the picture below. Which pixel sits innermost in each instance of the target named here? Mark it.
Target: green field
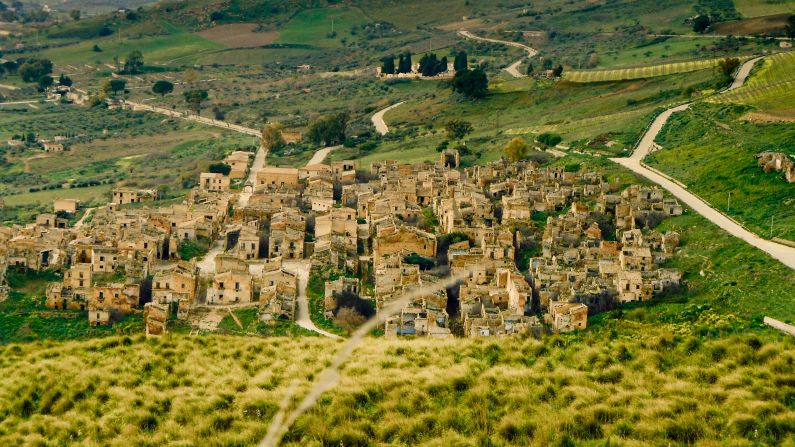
(177, 47)
(711, 150)
(606, 117)
(622, 74)
(757, 8)
(313, 27)
(771, 87)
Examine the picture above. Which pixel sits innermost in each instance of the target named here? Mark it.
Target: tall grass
(656, 388)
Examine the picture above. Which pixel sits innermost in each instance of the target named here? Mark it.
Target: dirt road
(513, 68)
(378, 119)
(136, 106)
(321, 155)
(301, 270)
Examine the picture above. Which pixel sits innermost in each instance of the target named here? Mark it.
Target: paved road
(301, 270)
(742, 74)
(511, 69)
(783, 253)
(321, 155)
(378, 119)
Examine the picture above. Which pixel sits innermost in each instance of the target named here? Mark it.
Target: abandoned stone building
(778, 162)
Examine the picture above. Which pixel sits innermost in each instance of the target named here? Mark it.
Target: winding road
(635, 163)
(378, 119)
(513, 68)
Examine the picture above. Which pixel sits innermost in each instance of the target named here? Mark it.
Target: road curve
(511, 69)
(321, 155)
(378, 119)
(742, 74)
(783, 253)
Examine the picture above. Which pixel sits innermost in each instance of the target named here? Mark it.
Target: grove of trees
(328, 130)
(473, 84)
(431, 66)
(33, 69)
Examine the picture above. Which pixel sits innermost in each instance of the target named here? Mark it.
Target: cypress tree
(460, 63)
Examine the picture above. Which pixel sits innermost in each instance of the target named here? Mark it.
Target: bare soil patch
(772, 116)
(239, 35)
(756, 25)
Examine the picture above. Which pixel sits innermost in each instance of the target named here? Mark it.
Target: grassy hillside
(713, 152)
(659, 388)
(770, 88)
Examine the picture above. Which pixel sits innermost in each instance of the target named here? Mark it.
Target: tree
(328, 130)
(728, 66)
(194, 98)
(75, 14)
(458, 129)
(134, 62)
(549, 139)
(460, 63)
(791, 26)
(10, 66)
(529, 69)
(45, 82)
(190, 76)
(33, 69)
(272, 138)
(220, 168)
(404, 64)
(558, 71)
(516, 149)
(162, 88)
(701, 23)
(471, 83)
(96, 49)
(114, 85)
(66, 81)
(388, 65)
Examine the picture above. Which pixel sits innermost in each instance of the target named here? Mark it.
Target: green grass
(190, 249)
(771, 86)
(315, 292)
(176, 47)
(24, 318)
(757, 8)
(713, 152)
(313, 26)
(585, 115)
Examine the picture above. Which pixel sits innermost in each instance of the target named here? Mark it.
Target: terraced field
(772, 87)
(624, 74)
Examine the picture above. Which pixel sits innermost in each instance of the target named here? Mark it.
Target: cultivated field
(238, 35)
(620, 74)
(771, 87)
(756, 8)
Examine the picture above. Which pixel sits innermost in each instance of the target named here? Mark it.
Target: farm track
(635, 163)
(511, 69)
